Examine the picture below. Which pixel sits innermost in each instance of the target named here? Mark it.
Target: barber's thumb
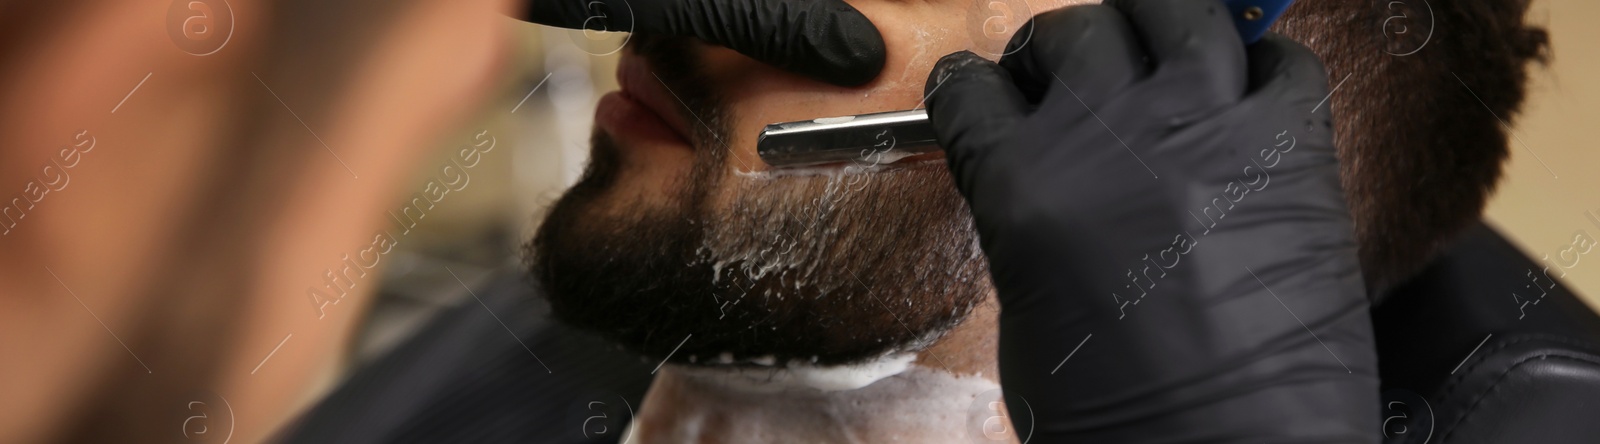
(973, 107)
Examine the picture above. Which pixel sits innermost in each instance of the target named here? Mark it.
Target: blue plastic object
(1253, 17)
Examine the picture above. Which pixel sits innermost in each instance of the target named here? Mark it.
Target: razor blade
(867, 138)
(887, 137)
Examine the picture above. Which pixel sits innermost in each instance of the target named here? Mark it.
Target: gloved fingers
(1092, 49)
(1192, 43)
(1280, 66)
(973, 108)
(827, 40)
(580, 14)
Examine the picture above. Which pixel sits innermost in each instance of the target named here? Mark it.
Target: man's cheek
(630, 179)
(990, 24)
(649, 187)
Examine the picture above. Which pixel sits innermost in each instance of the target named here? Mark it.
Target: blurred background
(1551, 185)
(541, 121)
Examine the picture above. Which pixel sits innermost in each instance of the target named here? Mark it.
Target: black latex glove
(826, 40)
(1133, 169)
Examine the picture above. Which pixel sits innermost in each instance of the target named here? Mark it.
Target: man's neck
(945, 393)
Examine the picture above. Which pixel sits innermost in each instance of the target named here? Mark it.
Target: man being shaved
(851, 303)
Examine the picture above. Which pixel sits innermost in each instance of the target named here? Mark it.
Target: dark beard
(828, 269)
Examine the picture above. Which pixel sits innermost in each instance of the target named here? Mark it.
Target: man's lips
(640, 83)
(626, 119)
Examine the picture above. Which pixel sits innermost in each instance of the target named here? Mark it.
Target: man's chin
(823, 269)
(635, 285)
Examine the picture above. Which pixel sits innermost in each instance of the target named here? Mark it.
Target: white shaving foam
(799, 376)
(915, 404)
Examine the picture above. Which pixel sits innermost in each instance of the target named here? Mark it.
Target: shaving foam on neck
(802, 376)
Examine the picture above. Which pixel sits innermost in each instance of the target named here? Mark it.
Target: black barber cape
(1462, 360)
(1475, 350)
(463, 378)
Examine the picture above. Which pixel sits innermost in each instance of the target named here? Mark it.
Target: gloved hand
(1162, 214)
(826, 40)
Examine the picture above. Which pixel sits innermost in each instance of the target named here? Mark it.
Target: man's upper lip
(639, 82)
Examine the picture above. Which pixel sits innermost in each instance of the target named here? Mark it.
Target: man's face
(679, 240)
